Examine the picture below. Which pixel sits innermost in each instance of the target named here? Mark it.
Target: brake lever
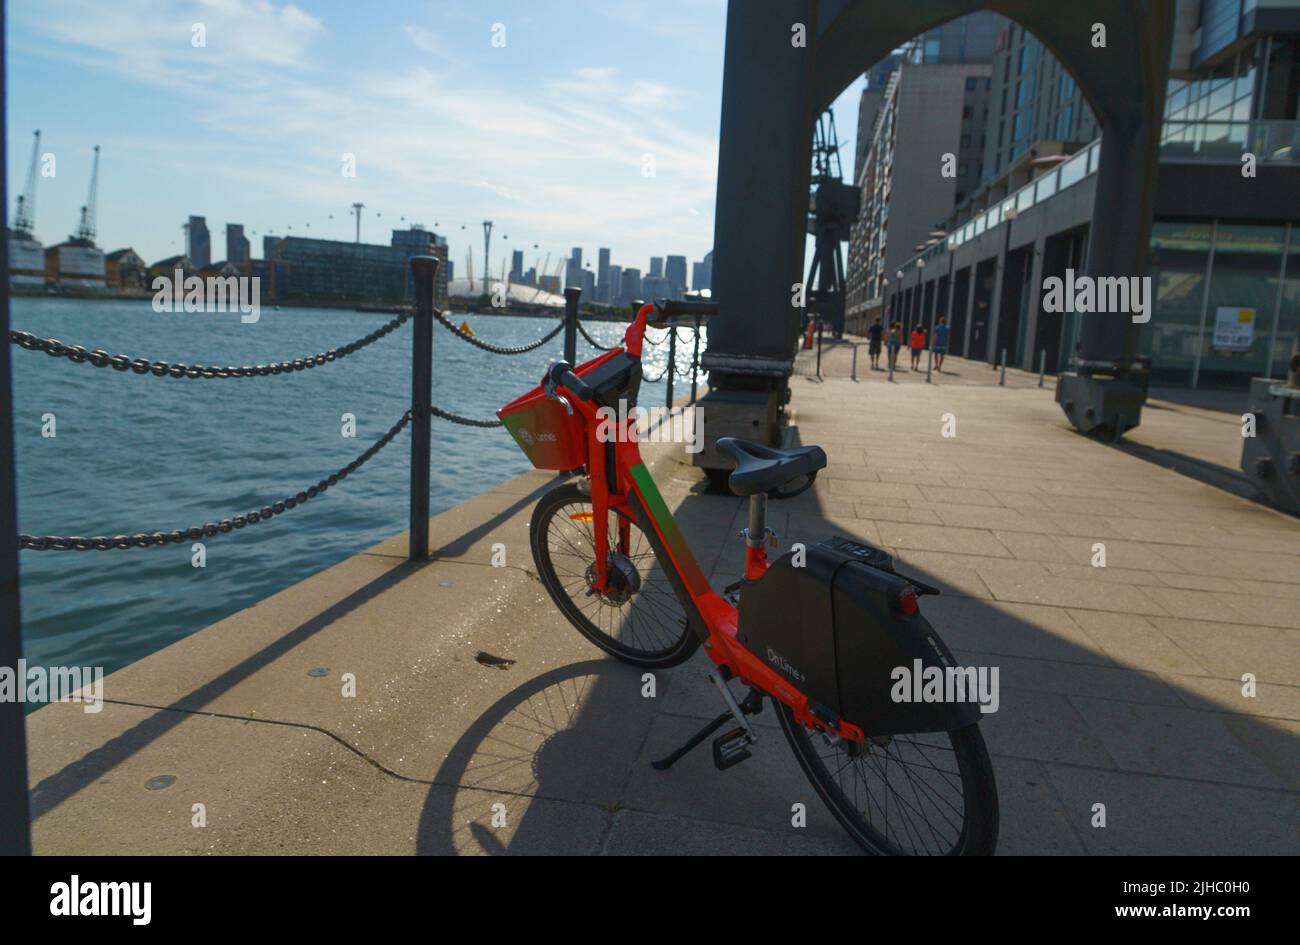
(548, 388)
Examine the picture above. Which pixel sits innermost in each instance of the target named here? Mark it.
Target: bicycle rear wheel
(904, 795)
(639, 620)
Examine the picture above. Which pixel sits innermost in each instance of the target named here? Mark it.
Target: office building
(675, 273)
(331, 270)
(1224, 258)
(517, 266)
(602, 275)
(573, 268)
(656, 267)
(238, 249)
(614, 284)
(631, 285)
(198, 242)
(702, 273)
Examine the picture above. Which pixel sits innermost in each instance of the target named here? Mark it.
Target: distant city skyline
(446, 129)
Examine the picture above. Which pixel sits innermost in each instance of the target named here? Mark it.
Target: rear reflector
(907, 602)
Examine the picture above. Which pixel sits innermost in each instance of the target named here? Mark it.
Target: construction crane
(86, 228)
(832, 211)
(25, 217)
(541, 275)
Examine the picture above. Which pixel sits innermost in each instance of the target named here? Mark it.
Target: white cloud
(559, 162)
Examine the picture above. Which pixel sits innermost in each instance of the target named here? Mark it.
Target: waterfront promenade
(1120, 686)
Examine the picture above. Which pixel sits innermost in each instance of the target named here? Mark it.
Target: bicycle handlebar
(561, 372)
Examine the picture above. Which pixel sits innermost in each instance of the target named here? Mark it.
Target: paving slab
(1120, 685)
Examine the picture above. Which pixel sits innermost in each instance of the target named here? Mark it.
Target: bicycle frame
(621, 483)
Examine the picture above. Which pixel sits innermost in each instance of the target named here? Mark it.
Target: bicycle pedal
(731, 748)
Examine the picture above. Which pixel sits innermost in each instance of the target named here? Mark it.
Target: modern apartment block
(1224, 257)
(924, 158)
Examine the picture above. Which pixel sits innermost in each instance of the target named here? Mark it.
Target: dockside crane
(86, 228)
(25, 216)
(833, 209)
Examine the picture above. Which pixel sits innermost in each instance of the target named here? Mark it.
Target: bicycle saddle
(761, 468)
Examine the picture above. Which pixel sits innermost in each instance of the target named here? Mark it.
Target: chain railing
(418, 416)
(122, 362)
(196, 532)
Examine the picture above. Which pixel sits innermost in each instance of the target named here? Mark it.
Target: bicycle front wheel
(639, 618)
(904, 795)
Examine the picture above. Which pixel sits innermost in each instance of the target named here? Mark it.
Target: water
(141, 454)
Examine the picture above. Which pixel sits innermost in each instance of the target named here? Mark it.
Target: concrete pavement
(1121, 686)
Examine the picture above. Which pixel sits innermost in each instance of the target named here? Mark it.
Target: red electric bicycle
(824, 631)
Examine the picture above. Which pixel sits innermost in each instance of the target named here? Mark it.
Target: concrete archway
(774, 89)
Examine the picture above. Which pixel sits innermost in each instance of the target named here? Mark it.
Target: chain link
(463, 421)
(496, 349)
(121, 362)
(593, 342)
(194, 533)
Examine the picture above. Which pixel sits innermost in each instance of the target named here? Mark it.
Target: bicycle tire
(979, 829)
(652, 613)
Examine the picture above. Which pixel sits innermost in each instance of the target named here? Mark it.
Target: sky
(567, 123)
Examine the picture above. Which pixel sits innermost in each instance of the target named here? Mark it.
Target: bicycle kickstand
(730, 748)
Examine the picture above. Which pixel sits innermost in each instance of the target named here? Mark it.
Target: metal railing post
(672, 362)
(423, 270)
(571, 295)
(1042, 365)
(1002, 377)
(695, 361)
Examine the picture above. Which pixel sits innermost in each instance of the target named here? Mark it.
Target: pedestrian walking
(940, 343)
(918, 345)
(894, 343)
(875, 337)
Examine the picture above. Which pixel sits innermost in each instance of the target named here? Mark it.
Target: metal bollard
(1042, 365)
(672, 363)
(695, 361)
(819, 347)
(1002, 379)
(854, 373)
(423, 271)
(571, 296)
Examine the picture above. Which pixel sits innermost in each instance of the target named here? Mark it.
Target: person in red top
(918, 345)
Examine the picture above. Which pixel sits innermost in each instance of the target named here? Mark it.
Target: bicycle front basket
(544, 430)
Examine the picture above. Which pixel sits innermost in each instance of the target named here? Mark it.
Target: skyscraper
(602, 275)
(702, 273)
(614, 294)
(517, 266)
(573, 271)
(238, 249)
(675, 273)
(198, 243)
(631, 284)
(656, 267)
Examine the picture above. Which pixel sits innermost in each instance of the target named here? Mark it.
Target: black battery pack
(830, 619)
